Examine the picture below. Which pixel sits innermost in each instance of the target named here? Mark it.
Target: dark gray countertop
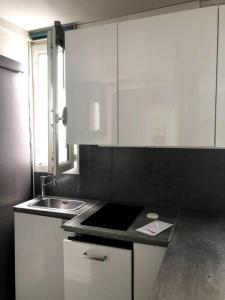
(194, 264)
(80, 215)
(129, 235)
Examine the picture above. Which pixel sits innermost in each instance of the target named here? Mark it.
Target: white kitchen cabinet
(97, 272)
(147, 262)
(167, 79)
(38, 257)
(220, 112)
(91, 85)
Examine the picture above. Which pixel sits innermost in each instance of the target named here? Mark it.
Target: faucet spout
(44, 185)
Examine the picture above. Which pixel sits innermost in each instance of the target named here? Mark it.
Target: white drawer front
(96, 272)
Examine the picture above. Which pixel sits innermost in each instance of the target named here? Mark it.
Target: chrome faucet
(44, 185)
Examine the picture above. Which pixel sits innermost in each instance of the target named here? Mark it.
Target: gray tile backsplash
(188, 178)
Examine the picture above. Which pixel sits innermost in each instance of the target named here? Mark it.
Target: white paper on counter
(154, 228)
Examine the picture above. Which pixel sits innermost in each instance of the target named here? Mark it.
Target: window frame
(52, 166)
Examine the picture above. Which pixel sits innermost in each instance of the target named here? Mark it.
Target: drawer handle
(95, 257)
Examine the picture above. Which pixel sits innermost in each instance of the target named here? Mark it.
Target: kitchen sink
(58, 204)
(114, 216)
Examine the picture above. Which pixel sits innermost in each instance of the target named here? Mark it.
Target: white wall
(13, 42)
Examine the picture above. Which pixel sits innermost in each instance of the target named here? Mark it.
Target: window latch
(63, 118)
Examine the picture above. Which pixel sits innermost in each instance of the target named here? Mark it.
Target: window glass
(40, 106)
(62, 146)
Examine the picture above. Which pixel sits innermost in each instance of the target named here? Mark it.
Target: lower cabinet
(93, 269)
(97, 272)
(38, 257)
(147, 262)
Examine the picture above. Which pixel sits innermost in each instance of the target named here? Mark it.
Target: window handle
(63, 118)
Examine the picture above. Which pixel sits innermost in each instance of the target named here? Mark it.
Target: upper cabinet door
(91, 85)
(220, 112)
(167, 79)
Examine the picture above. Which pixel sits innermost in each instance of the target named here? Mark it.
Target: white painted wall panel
(13, 42)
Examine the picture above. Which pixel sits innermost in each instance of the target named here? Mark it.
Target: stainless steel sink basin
(58, 204)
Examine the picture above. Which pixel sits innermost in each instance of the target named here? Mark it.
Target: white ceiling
(35, 14)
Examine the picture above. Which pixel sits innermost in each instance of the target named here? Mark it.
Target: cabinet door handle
(95, 257)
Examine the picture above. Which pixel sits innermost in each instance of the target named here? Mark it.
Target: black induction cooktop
(114, 216)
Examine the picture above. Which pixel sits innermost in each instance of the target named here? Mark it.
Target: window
(40, 106)
(42, 113)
